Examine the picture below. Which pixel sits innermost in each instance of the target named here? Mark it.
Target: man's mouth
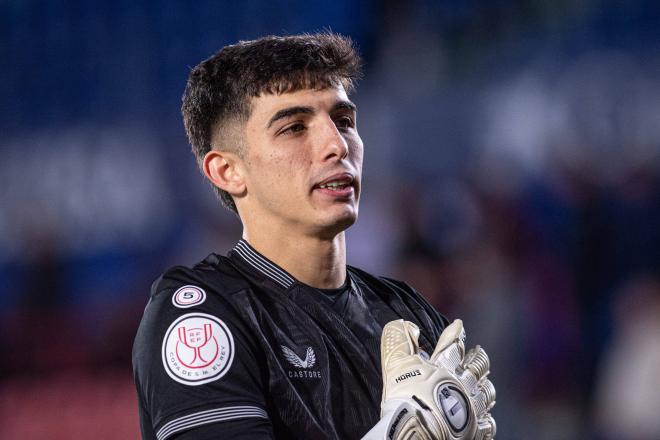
(334, 185)
(338, 185)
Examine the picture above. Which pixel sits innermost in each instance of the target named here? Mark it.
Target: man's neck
(313, 261)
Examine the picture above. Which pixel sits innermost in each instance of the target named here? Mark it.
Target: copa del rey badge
(197, 349)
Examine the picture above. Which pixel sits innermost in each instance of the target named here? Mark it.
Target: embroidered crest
(292, 357)
(188, 296)
(197, 349)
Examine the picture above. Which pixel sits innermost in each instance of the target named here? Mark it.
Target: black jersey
(237, 344)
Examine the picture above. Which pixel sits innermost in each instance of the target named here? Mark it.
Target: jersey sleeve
(196, 366)
(239, 429)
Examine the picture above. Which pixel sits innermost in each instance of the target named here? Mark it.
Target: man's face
(303, 161)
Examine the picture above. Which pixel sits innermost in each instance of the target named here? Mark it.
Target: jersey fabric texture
(236, 347)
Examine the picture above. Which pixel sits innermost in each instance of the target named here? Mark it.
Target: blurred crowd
(512, 175)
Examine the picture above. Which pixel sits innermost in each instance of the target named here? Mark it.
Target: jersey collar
(263, 265)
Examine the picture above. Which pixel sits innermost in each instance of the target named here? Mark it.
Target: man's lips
(337, 185)
(343, 192)
(340, 178)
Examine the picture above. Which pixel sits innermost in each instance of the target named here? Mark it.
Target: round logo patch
(188, 296)
(455, 406)
(197, 349)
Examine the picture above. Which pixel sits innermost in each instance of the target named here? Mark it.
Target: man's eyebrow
(344, 105)
(290, 111)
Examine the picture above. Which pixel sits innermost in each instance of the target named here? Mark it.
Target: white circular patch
(455, 406)
(197, 349)
(188, 296)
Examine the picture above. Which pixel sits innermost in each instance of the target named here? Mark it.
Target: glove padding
(444, 397)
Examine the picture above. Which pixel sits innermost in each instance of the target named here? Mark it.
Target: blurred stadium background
(512, 175)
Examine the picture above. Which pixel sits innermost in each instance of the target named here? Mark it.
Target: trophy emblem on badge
(196, 345)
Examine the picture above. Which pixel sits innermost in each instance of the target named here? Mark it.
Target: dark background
(511, 175)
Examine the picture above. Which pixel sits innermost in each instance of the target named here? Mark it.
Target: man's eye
(293, 129)
(345, 122)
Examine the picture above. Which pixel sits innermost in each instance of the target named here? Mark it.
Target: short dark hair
(219, 89)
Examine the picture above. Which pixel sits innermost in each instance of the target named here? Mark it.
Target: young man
(280, 338)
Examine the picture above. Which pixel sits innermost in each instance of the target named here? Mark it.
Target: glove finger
(488, 391)
(477, 362)
(486, 428)
(450, 346)
(399, 340)
(483, 397)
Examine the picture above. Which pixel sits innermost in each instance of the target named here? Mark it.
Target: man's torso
(237, 338)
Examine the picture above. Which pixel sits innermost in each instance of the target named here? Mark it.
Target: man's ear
(224, 170)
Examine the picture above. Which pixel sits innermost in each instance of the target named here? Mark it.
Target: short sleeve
(195, 362)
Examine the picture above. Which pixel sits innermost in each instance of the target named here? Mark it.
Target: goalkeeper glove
(444, 397)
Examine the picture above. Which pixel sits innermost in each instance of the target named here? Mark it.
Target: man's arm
(197, 366)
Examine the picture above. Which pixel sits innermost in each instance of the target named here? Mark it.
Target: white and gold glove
(444, 397)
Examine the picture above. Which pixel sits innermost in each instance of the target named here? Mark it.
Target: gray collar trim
(263, 265)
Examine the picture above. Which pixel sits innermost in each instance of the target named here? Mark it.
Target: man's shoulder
(195, 354)
(200, 296)
(207, 288)
(215, 273)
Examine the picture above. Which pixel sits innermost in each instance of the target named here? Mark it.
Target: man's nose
(333, 146)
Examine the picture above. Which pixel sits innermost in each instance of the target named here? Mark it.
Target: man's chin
(338, 224)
